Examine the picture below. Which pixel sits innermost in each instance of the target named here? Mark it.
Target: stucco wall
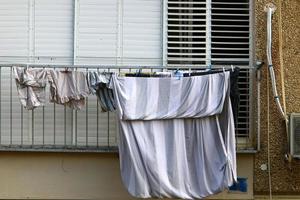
(285, 180)
(77, 176)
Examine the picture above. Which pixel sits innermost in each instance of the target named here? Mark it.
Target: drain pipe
(270, 9)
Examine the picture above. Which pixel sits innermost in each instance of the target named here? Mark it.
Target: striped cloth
(176, 135)
(98, 84)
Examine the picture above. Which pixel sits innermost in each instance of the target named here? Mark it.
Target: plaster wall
(285, 177)
(78, 176)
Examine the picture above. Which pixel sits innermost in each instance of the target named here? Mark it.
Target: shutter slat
(186, 32)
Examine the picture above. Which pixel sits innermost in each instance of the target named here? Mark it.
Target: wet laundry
(98, 83)
(31, 85)
(68, 88)
(170, 129)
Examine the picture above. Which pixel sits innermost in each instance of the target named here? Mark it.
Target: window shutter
(97, 32)
(141, 27)
(119, 32)
(14, 19)
(230, 32)
(187, 37)
(201, 33)
(53, 31)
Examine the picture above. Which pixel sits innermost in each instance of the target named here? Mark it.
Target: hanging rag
(98, 84)
(176, 135)
(68, 88)
(31, 84)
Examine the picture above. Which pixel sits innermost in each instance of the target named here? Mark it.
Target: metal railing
(56, 127)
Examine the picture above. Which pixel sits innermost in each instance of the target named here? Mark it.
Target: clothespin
(138, 71)
(66, 70)
(209, 67)
(178, 74)
(224, 69)
(232, 68)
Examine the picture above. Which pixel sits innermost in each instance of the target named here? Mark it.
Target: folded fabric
(68, 88)
(176, 135)
(31, 84)
(98, 84)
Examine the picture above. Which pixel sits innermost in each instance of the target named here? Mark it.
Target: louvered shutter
(119, 32)
(97, 29)
(53, 31)
(217, 33)
(141, 30)
(187, 33)
(230, 32)
(14, 21)
(203, 33)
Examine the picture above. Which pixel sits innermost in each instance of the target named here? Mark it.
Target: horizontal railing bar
(112, 66)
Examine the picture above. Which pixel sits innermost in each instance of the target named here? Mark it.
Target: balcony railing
(56, 127)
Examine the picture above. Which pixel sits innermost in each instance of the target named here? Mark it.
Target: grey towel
(176, 135)
(98, 83)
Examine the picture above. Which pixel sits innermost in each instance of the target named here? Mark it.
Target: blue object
(241, 185)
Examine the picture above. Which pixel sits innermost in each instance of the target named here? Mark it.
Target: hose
(270, 10)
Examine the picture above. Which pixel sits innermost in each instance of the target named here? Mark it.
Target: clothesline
(101, 66)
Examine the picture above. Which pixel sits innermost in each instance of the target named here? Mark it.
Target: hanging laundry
(235, 93)
(234, 87)
(31, 84)
(98, 84)
(68, 88)
(176, 135)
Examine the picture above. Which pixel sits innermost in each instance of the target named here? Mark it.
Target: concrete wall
(77, 176)
(285, 179)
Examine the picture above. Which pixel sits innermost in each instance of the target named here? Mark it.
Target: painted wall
(77, 176)
(285, 178)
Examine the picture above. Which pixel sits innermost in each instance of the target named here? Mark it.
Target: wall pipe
(270, 9)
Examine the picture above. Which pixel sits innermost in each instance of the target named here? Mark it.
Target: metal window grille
(215, 33)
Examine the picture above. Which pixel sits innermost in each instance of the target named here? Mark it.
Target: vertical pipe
(0, 105)
(43, 125)
(108, 127)
(22, 125)
(258, 108)
(87, 120)
(75, 26)
(65, 126)
(10, 100)
(97, 123)
(32, 125)
(76, 117)
(43, 112)
(164, 32)
(208, 33)
(75, 126)
(54, 121)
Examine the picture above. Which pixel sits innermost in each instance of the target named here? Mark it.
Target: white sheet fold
(176, 136)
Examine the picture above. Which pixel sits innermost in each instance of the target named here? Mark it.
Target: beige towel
(68, 88)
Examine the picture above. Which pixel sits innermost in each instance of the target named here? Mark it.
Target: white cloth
(176, 136)
(31, 84)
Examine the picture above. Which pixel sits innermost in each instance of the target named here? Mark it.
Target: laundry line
(102, 66)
